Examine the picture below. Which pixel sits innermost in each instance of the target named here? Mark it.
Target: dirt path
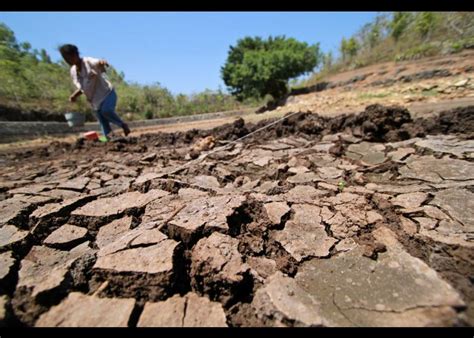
(32, 144)
(417, 110)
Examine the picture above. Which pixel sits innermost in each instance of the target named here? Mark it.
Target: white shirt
(91, 81)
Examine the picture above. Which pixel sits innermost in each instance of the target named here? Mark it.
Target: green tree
(45, 56)
(352, 47)
(256, 67)
(374, 35)
(25, 47)
(399, 24)
(424, 23)
(9, 49)
(366, 34)
(328, 60)
(7, 37)
(349, 48)
(343, 49)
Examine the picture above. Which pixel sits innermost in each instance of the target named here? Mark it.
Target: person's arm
(75, 95)
(78, 91)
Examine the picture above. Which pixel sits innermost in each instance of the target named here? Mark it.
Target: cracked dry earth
(363, 220)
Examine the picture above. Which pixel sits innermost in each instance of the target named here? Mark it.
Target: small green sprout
(341, 185)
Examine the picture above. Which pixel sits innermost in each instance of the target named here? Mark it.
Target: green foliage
(44, 56)
(7, 37)
(25, 47)
(462, 44)
(256, 67)
(343, 49)
(374, 36)
(328, 60)
(373, 95)
(399, 23)
(148, 113)
(352, 47)
(349, 48)
(429, 93)
(418, 52)
(425, 23)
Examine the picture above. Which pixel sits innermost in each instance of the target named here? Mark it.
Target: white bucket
(75, 119)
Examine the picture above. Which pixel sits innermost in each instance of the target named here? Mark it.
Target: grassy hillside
(399, 36)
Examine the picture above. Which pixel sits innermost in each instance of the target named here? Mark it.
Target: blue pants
(107, 114)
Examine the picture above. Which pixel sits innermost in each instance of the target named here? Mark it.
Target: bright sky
(183, 51)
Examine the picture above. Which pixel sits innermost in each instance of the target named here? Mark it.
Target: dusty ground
(416, 109)
(354, 220)
(45, 140)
